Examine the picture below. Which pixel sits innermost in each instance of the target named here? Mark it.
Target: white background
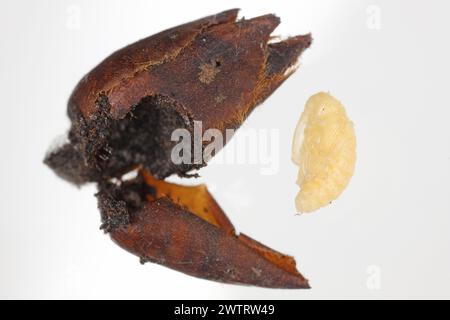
(387, 236)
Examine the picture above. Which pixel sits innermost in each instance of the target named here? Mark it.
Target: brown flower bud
(214, 70)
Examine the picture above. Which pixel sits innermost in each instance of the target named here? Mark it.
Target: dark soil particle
(119, 201)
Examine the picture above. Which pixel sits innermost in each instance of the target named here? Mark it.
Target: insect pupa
(324, 149)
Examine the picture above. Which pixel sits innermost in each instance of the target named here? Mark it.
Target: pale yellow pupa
(324, 148)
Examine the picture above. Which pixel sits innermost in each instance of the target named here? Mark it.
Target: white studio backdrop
(387, 236)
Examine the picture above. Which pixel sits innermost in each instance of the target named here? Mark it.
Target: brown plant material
(183, 228)
(215, 70)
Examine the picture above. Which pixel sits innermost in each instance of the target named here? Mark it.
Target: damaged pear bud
(215, 70)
